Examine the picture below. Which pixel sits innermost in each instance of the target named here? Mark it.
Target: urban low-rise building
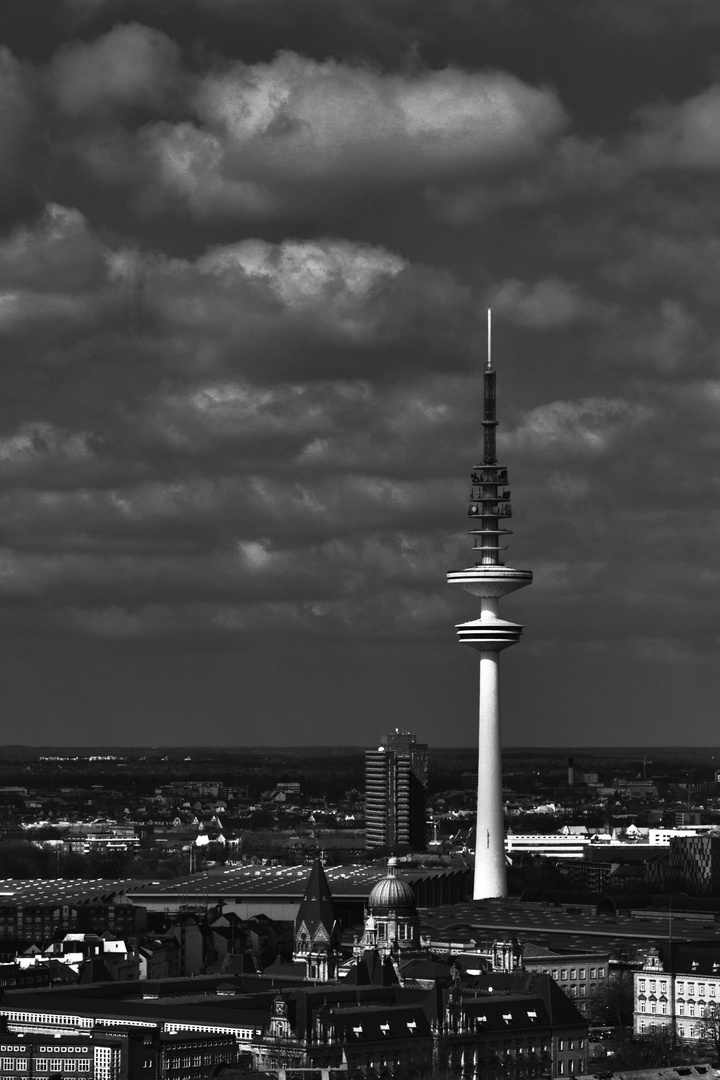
(678, 985)
(583, 976)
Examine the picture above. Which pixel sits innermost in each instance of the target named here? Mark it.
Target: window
(701, 989)
(571, 1065)
(691, 1009)
(563, 973)
(642, 1006)
(663, 987)
(573, 973)
(555, 973)
(711, 989)
(561, 1044)
(571, 1044)
(681, 1009)
(592, 973)
(601, 973)
(41, 1065)
(663, 1007)
(560, 1067)
(583, 973)
(681, 987)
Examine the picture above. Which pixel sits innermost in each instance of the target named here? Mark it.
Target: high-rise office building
(395, 782)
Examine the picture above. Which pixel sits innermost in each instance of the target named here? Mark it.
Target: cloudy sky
(246, 250)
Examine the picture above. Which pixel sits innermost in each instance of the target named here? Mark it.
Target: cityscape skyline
(245, 259)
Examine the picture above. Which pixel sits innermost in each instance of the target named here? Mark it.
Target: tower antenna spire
(489, 348)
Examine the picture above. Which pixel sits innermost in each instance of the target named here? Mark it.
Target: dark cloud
(246, 254)
(131, 69)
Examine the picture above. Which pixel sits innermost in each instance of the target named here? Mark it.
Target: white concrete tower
(489, 579)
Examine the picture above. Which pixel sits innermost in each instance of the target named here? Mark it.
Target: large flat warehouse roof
(352, 882)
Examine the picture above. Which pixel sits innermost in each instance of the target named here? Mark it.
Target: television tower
(489, 579)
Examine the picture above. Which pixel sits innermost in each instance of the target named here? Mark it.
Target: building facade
(392, 924)
(678, 985)
(395, 784)
(108, 1055)
(583, 976)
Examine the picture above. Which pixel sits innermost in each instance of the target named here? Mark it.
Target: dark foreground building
(136, 1054)
(471, 1028)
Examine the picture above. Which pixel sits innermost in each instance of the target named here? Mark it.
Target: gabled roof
(316, 909)
(562, 1011)
(378, 1024)
(691, 957)
(371, 969)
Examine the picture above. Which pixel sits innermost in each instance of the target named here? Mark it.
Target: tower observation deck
(489, 579)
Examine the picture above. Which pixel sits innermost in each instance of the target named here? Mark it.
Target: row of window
(573, 1065)
(681, 986)
(175, 1061)
(62, 1065)
(16, 1017)
(653, 986)
(53, 1049)
(561, 974)
(691, 1031)
(691, 988)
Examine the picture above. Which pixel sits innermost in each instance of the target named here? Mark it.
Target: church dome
(392, 894)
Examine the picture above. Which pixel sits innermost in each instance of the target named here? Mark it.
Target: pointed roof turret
(317, 910)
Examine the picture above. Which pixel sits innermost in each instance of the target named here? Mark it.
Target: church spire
(317, 927)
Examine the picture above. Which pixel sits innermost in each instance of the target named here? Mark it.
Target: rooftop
(559, 925)
(64, 890)
(352, 881)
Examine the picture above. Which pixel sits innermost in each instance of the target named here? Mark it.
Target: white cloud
(546, 304)
(684, 136)
(129, 67)
(296, 114)
(335, 279)
(277, 138)
(591, 426)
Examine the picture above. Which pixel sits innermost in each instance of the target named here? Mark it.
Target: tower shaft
(490, 878)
